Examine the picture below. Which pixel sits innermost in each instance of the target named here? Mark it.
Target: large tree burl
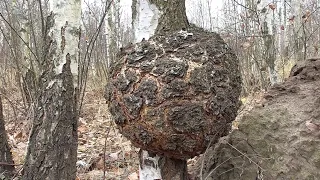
(173, 94)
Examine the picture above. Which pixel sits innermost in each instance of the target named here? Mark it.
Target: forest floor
(98, 136)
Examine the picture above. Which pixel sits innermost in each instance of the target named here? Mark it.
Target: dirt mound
(277, 139)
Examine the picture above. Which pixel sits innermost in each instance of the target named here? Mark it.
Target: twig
(83, 74)
(203, 158)
(104, 158)
(8, 164)
(219, 166)
(245, 156)
(13, 106)
(15, 31)
(17, 173)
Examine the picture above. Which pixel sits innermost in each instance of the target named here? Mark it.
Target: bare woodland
(53, 73)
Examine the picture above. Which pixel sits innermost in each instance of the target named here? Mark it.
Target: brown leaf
(133, 176)
(99, 164)
(18, 135)
(312, 127)
(82, 129)
(272, 6)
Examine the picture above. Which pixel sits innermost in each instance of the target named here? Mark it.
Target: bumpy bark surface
(279, 138)
(6, 166)
(52, 150)
(174, 94)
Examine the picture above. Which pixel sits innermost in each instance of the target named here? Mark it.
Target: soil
(279, 138)
(98, 136)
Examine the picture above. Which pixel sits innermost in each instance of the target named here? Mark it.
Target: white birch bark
(146, 21)
(144, 26)
(150, 170)
(52, 149)
(270, 37)
(67, 15)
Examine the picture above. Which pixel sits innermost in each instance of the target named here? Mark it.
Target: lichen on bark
(52, 148)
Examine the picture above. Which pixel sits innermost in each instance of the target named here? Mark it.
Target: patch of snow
(59, 67)
(184, 34)
(82, 164)
(52, 82)
(146, 20)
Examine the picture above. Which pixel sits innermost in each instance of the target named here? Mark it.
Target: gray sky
(197, 11)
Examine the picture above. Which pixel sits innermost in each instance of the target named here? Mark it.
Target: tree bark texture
(6, 167)
(52, 150)
(173, 18)
(153, 166)
(173, 169)
(159, 112)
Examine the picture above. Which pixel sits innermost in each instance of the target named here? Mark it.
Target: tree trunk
(173, 18)
(161, 17)
(173, 169)
(52, 150)
(166, 17)
(153, 166)
(113, 31)
(6, 162)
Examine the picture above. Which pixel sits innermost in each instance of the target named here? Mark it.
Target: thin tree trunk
(6, 167)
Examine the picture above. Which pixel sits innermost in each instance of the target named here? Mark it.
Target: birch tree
(152, 17)
(52, 150)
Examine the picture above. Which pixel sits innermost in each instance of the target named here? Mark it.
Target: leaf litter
(96, 131)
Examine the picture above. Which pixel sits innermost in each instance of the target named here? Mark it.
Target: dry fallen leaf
(272, 6)
(99, 164)
(311, 126)
(12, 140)
(18, 135)
(133, 176)
(119, 171)
(82, 129)
(114, 156)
